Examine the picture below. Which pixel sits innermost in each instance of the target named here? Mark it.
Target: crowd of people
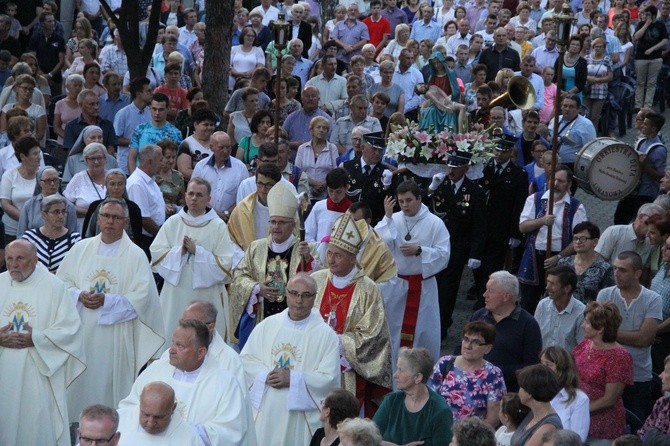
(180, 275)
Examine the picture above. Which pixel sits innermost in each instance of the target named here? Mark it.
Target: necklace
(331, 318)
(408, 236)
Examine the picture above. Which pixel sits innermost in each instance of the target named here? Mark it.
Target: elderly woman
(593, 272)
(537, 387)
(115, 182)
(88, 185)
(472, 431)
(599, 74)
(339, 405)
(53, 239)
(23, 87)
(605, 368)
(394, 91)
(399, 41)
(661, 285)
(196, 147)
(574, 68)
(27, 65)
(571, 404)
(359, 432)
(17, 184)
(471, 385)
(238, 124)
(317, 157)
(48, 183)
(67, 109)
(657, 425)
(75, 161)
(247, 148)
(414, 412)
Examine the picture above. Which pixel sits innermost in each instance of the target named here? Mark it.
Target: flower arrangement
(411, 145)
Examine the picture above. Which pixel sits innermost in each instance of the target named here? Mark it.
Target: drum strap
(567, 124)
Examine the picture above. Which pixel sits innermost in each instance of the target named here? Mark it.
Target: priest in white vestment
(324, 213)
(420, 245)
(110, 282)
(291, 362)
(154, 422)
(41, 351)
(193, 253)
(209, 398)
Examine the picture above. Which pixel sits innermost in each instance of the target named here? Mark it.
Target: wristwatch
(418, 252)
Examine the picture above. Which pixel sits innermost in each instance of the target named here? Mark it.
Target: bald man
(154, 423)
(41, 350)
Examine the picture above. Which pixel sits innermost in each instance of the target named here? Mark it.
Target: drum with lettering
(607, 168)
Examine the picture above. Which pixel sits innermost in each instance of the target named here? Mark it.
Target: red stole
(343, 206)
(411, 309)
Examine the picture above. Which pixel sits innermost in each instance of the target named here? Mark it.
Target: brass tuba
(520, 93)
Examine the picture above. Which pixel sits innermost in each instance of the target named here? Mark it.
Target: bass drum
(607, 168)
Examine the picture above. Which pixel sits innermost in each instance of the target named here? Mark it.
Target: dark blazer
(304, 34)
(464, 215)
(368, 188)
(506, 197)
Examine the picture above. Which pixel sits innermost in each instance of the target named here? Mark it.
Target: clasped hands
(279, 378)
(16, 339)
(92, 301)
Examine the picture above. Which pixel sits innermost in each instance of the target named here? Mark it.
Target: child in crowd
(512, 413)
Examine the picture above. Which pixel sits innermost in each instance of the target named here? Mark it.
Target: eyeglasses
(303, 295)
(581, 239)
(86, 440)
(96, 159)
(112, 217)
(265, 186)
(279, 222)
(474, 342)
(50, 180)
(57, 212)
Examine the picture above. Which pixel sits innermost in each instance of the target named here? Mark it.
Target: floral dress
(467, 393)
(172, 188)
(596, 277)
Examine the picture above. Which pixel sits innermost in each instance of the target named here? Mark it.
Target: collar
(569, 308)
(282, 247)
(342, 206)
(139, 110)
(200, 220)
(363, 164)
(211, 161)
(146, 178)
(564, 199)
(459, 183)
(189, 377)
(372, 19)
(341, 282)
(513, 315)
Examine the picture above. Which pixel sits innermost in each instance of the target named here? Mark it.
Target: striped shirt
(50, 252)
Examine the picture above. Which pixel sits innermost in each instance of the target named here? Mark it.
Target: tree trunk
(327, 12)
(128, 25)
(216, 66)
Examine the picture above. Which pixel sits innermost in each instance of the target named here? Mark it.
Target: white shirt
(272, 14)
(224, 180)
(248, 186)
(528, 214)
(143, 190)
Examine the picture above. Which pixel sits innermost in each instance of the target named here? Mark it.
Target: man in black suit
(369, 180)
(507, 187)
(301, 29)
(460, 203)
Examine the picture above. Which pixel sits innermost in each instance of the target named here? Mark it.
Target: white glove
(514, 242)
(438, 179)
(474, 263)
(387, 177)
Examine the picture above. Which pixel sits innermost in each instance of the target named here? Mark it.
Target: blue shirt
(296, 124)
(350, 35)
(421, 31)
(109, 108)
(579, 132)
(407, 81)
(148, 134)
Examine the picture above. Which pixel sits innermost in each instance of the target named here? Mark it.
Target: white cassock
(310, 349)
(122, 335)
(193, 277)
(209, 397)
(320, 221)
(431, 234)
(178, 433)
(33, 409)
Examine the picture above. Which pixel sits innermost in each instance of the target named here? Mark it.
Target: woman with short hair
(75, 162)
(88, 185)
(414, 412)
(53, 239)
(317, 156)
(339, 405)
(471, 385)
(537, 387)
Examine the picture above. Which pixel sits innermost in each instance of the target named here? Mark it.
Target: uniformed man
(507, 187)
(459, 202)
(369, 180)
